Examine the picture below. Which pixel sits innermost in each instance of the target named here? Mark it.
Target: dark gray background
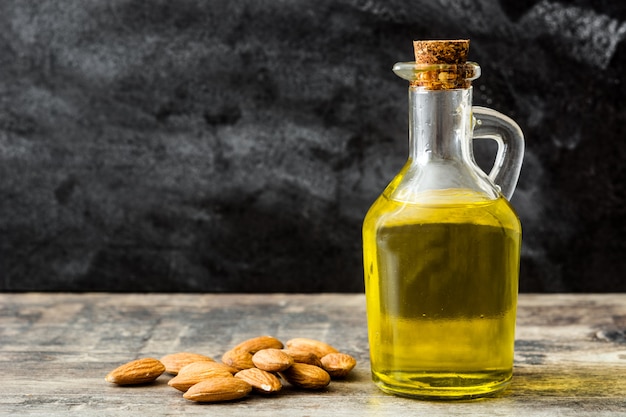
(236, 145)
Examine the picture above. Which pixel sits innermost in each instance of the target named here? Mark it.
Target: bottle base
(442, 386)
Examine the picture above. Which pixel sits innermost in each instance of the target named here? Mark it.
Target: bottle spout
(439, 65)
(438, 76)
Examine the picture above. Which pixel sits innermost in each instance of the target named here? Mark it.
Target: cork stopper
(441, 64)
(441, 52)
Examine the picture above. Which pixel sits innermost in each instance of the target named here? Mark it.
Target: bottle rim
(438, 76)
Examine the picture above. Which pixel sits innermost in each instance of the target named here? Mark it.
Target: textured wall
(236, 145)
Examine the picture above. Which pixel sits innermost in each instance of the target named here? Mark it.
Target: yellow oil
(441, 280)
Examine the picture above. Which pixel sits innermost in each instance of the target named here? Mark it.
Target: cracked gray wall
(236, 145)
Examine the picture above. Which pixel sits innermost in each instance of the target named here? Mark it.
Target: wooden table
(55, 350)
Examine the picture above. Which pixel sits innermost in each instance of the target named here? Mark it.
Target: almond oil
(441, 280)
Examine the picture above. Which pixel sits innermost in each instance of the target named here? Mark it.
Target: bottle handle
(490, 124)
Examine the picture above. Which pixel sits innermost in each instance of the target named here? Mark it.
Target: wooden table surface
(55, 350)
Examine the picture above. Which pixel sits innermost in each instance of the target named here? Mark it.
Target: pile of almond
(258, 364)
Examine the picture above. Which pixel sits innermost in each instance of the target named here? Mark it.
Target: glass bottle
(441, 247)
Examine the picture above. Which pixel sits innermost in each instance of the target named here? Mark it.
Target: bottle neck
(441, 163)
(440, 125)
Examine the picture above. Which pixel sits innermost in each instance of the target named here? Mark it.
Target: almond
(303, 375)
(303, 356)
(194, 367)
(258, 343)
(218, 389)
(272, 360)
(237, 358)
(174, 361)
(138, 371)
(317, 347)
(261, 381)
(196, 372)
(230, 369)
(338, 365)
